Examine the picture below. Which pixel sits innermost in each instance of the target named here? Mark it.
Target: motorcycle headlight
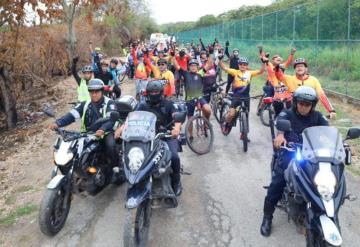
(325, 182)
(136, 159)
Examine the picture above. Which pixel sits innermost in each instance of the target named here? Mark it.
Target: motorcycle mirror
(283, 125)
(353, 133)
(114, 116)
(179, 117)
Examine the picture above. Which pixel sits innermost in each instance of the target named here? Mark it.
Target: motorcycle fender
(55, 182)
(329, 207)
(137, 193)
(330, 230)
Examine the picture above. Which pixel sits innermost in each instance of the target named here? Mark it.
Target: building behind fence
(325, 32)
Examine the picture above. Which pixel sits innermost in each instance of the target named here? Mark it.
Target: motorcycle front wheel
(53, 210)
(137, 223)
(315, 240)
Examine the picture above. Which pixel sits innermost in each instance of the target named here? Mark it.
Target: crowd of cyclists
(192, 73)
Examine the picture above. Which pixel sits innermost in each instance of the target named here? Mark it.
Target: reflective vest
(86, 106)
(82, 91)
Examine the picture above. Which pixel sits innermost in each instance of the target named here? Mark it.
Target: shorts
(235, 102)
(191, 104)
(140, 85)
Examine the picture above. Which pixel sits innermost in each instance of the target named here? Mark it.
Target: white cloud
(165, 11)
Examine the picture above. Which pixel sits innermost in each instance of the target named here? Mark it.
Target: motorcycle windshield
(322, 142)
(139, 126)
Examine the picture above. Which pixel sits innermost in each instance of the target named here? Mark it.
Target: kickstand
(184, 172)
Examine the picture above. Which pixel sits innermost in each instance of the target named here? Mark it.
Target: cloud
(165, 11)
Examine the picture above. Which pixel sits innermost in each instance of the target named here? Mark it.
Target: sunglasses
(162, 64)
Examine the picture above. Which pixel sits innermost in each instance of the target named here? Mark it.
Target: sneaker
(225, 128)
(242, 137)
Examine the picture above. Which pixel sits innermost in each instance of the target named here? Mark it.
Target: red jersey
(183, 61)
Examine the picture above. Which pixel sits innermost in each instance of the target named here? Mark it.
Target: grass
(9, 200)
(17, 213)
(25, 188)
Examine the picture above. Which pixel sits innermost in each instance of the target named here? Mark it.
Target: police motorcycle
(147, 165)
(315, 182)
(81, 168)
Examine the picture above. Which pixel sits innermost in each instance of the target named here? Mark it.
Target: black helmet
(95, 84)
(162, 60)
(194, 61)
(243, 60)
(152, 87)
(300, 61)
(305, 94)
(114, 60)
(87, 68)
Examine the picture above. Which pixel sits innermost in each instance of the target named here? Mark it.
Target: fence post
(262, 28)
(276, 25)
(294, 25)
(251, 21)
(348, 48)
(242, 29)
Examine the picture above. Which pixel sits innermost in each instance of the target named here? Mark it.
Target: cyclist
(301, 116)
(82, 89)
(234, 57)
(281, 92)
(115, 72)
(141, 72)
(240, 87)
(94, 53)
(209, 68)
(89, 112)
(182, 59)
(302, 78)
(194, 85)
(161, 72)
(275, 61)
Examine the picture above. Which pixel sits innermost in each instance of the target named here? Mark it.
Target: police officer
(302, 115)
(164, 109)
(89, 111)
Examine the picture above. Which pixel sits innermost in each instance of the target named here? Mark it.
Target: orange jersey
(286, 64)
(169, 88)
(280, 89)
(293, 82)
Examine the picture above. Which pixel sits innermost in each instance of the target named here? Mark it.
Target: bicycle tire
(217, 110)
(122, 77)
(244, 131)
(191, 143)
(223, 111)
(260, 105)
(265, 110)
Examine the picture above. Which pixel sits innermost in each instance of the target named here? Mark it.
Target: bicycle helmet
(97, 49)
(305, 94)
(87, 68)
(300, 61)
(103, 62)
(114, 61)
(161, 60)
(243, 60)
(95, 85)
(154, 91)
(236, 50)
(194, 61)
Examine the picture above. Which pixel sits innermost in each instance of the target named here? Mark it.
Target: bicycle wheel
(265, 115)
(199, 134)
(223, 112)
(217, 108)
(260, 105)
(244, 129)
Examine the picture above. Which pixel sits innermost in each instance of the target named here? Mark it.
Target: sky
(165, 11)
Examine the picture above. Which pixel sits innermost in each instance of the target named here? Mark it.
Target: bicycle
(197, 129)
(241, 114)
(180, 90)
(268, 106)
(125, 71)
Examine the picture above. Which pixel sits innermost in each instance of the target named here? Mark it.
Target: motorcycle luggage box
(124, 105)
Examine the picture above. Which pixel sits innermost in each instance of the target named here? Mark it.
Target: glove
(216, 41)
(264, 60)
(172, 53)
(227, 43)
(75, 59)
(220, 56)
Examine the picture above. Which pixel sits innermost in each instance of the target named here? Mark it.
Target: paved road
(221, 204)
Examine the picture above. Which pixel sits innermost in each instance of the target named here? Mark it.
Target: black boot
(269, 209)
(176, 184)
(265, 229)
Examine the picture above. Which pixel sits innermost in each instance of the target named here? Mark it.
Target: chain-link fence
(325, 32)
